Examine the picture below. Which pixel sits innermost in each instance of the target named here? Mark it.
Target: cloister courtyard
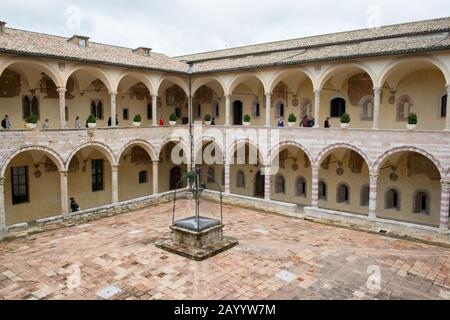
(277, 258)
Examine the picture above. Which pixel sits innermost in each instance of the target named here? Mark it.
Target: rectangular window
(19, 180)
(97, 175)
(97, 109)
(149, 111)
(126, 114)
(143, 177)
(66, 113)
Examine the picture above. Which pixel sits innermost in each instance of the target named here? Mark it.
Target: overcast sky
(176, 27)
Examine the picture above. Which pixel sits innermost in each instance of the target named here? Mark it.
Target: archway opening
(172, 166)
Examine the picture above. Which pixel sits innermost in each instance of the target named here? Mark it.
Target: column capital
(114, 168)
(377, 90)
(112, 93)
(228, 96)
(154, 96)
(155, 162)
(268, 94)
(64, 173)
(445, 184)
(61, 90)
(2, 181)
(317, 92)
(447, 87)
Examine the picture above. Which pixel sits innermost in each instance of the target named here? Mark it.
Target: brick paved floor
(117, 259)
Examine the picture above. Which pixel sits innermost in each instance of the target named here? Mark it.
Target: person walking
(77, 123)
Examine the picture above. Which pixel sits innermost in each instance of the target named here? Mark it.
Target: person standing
(6, 124)
(213, 121)
(305, 121)
(46, 125)
(327, 123)
(161, 122)
(77, 123)
(280, 123)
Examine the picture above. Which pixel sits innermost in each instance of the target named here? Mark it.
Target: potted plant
(31, 121)
(345, 120)
(137, 120)
(292, 119)
(412, 121)
(208, 119)
(247, 120)
(92, 121)
(173, 119)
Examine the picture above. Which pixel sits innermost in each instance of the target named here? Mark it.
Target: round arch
(237, 80)
(276, 151)
(198, 83)
(53, 155)
(283, 74)
(325, 152)
(140, 77)
(93, 71)
(231, 150)
(47, 68)
(103, 148)
(198, 145)
(336, 68)
(382, 158)
(390, 68)
(139, 143)
(175, 141)
(175, 80)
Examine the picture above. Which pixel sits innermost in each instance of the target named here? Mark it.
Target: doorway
(237, 113)
(259, 185)
(175, 177)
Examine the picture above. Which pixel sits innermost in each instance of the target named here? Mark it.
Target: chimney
(143, 51)
(2, 27)
(80, 41)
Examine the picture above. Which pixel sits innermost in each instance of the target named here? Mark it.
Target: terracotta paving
(277, 258)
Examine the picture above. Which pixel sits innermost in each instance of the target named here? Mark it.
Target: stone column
(113, 108)
(445, 203)
(317, 94)
(376, 107)
(315, 187)
(228, 109)
(62, 107)
(267, 184)
(2, 206)
(373, 196)
(155, 109)
(115, 184)
(268, 110)
(64, 193)
(227, 178)
(447, 119)
(155, 176)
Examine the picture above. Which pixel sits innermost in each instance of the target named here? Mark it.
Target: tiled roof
(423, 36)
(38, 44)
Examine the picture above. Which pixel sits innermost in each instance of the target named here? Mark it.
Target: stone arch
(198, 145)
(175, 141)
(336, 68)
(47, 68)
(382, 158)
(94, 72)
(198, 83)
(140, 143)
(390, 68)
(231, 150)
(283, 74)
(103, 148)
(140, 77)
(325, 152)
(237, 80)
(273, 153)
(175, 80)
(53, 155)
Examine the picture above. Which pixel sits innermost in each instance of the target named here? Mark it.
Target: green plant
(292, 118)
(173, 117)
(32, 119)
(345, 118)
(92, 119)
(137, 118)
(247, 118)
(412, 118)
(207, 118)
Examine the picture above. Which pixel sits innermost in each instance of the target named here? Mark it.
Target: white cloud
(177, 27)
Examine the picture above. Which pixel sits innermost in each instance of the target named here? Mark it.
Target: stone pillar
(113, 108)
(317, 94)
(376, 107)
(267, 184)
(115, 184)
(62, 107)
(373, 196)
(315, 186)
(227, 178)
(445, 203)
(228, 109)
(155, 109)
(64, 193)
(447, 119)
(2, 206)
(155, 176)
(268, 110)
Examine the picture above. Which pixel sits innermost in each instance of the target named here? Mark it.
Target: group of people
(305, 123)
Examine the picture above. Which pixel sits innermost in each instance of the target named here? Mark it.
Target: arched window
(211, 175)
(337, 107)
(444, 106)
(26, 107)
(150, 110)
(300, 187)
(240, 179)
(366, 108)
(343, 194)
(392, 200)
(404, 108)
(198, 111)
(215, 110)
(280, 185)
(143, 177)
(365, 195)
(422, 203)
(35, 106)
(323, 190)
(279, 108)
(256, 111)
